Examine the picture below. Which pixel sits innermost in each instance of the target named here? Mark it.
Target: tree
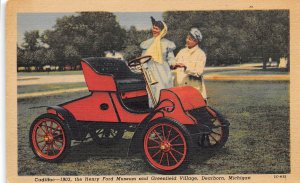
(49, 57)
(233, 36)
(31, 39)
(26, 55)
(132, 42)
(38, 58)
(228, 37)
(20, 57)
(85, 35)
(72, 56)
(28, 59)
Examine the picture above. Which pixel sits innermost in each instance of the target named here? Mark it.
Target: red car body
(114, 91)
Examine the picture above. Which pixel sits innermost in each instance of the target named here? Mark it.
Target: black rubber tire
(224, 128)
(187, 138)
(65, 130)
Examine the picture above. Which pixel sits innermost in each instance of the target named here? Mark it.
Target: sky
(44, 21)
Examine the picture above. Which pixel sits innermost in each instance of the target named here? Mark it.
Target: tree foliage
(233, 36)
(132, 42)
(85, 35)
(31, 39)
(229, 37)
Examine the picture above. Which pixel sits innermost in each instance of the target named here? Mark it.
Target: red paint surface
(133, 94)
(213, 113)
(97, 82)
(52, 111)
(88, 109)
(178, 113)
(189, 96)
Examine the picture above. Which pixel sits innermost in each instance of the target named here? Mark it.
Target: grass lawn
(258, 143)
(259, 131)
(49, 87)
(49, 73)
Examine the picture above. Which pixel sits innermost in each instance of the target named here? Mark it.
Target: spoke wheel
(107, 136)
(49, 138)
(166, 146)
(218, 136)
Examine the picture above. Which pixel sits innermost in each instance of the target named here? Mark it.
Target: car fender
(69, 119)
(137, 139)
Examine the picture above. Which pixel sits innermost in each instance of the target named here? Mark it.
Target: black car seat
(125, 79)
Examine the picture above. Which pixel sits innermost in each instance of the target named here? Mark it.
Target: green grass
(49, 73)
(259, 116)
(49, 87)
(258, 143)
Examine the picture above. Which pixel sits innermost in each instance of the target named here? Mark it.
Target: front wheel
(49, 138)
(218, 136)
(166, 145)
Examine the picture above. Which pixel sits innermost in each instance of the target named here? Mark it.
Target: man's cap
(196, 34)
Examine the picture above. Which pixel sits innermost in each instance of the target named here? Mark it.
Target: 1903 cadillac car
(118, 101)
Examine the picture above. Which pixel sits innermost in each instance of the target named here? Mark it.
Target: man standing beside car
(190, 63)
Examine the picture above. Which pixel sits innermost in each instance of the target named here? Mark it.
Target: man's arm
(199, 66)
(178, 61)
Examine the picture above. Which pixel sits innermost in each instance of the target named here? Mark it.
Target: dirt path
(255, 77)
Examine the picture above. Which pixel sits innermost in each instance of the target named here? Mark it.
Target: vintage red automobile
(118, 101)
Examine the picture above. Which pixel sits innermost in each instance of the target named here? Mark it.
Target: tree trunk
(264, 64)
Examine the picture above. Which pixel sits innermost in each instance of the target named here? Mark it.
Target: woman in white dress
(163, 57)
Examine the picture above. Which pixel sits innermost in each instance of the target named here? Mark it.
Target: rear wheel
(107, 136)
(166, 145)
(218, 136)
(49, 138)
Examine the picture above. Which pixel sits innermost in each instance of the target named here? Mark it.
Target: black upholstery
(126, 80)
